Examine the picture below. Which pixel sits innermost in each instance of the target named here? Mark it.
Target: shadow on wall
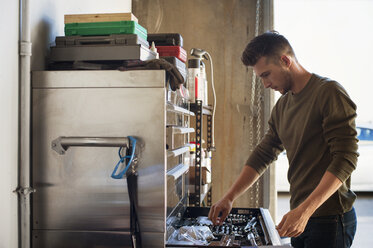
(156, 15)
(42, 37)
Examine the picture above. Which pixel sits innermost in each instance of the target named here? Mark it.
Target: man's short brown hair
(271, 44)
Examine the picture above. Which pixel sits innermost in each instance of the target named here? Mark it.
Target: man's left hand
(293, 223)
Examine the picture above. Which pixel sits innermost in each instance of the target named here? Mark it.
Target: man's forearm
(247, 178)
(222, 208)
(328, 185)
(294, 222)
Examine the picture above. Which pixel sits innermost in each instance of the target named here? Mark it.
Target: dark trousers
(334, 231)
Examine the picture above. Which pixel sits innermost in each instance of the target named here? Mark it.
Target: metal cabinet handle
(177, 171)
(182, 130)
(269, 227)
(61, 144)
(182, 150)
(173, 108)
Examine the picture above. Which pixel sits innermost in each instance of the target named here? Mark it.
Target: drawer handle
(178, 171)
(173, 108)
(61, 144)
(182, 130)
(179, 151)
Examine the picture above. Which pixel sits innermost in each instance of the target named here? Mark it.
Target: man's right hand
(224, 207)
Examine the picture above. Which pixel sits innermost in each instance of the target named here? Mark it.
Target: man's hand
(247, 177)
(224, 207)
(293, 223)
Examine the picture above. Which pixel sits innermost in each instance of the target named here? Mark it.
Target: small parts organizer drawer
(177, 137)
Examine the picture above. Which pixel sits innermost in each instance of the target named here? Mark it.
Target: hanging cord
(257, 16)
(253, 83)
(131, 188)
(213, 148)
(122, 159)
(255, 112)
(134, 220)
(258, 88)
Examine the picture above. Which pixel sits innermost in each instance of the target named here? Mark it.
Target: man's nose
(266, 84)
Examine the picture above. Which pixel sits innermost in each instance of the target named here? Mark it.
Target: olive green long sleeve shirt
(317, 129)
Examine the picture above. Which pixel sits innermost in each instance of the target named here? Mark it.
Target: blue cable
(122, 159)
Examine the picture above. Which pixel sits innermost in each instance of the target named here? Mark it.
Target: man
(314, 120)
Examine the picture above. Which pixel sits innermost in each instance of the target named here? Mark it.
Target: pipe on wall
(24, 189)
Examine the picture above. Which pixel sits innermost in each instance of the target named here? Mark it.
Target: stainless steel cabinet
(77, 203)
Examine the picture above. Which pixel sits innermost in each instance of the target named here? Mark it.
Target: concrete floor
(364, 211)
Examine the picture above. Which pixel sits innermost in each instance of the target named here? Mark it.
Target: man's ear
(286, 60)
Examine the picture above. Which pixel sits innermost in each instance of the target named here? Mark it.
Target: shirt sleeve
(267, 150)
(339, 113)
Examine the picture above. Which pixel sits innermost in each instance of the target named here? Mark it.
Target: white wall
(46, 22)
(333, 38)
(8, 122)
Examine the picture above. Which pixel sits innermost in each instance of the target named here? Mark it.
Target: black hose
(134, 218)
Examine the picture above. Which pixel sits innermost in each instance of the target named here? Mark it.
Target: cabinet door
(74, 191)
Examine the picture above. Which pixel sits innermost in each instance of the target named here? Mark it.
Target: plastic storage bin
(105, 28)
(176, 51)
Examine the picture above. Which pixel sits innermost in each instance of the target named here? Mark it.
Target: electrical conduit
(24, 189)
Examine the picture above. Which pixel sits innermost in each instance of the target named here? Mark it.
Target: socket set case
(109, 40)
(180, 65)
(175, 51)
(166, 39)
(101, 53)
(244, 227)
(105, 28)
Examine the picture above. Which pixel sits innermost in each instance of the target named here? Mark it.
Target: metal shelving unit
(200, 110)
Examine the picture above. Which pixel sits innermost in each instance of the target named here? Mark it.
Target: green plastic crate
(105, 28)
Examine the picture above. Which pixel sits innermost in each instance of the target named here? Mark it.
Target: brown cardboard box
(114, 17)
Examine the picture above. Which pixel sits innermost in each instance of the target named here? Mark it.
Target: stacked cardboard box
(102, 37)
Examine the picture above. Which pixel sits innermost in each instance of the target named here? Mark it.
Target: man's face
(274, 75)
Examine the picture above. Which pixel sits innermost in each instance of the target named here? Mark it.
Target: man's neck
(300, 78)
